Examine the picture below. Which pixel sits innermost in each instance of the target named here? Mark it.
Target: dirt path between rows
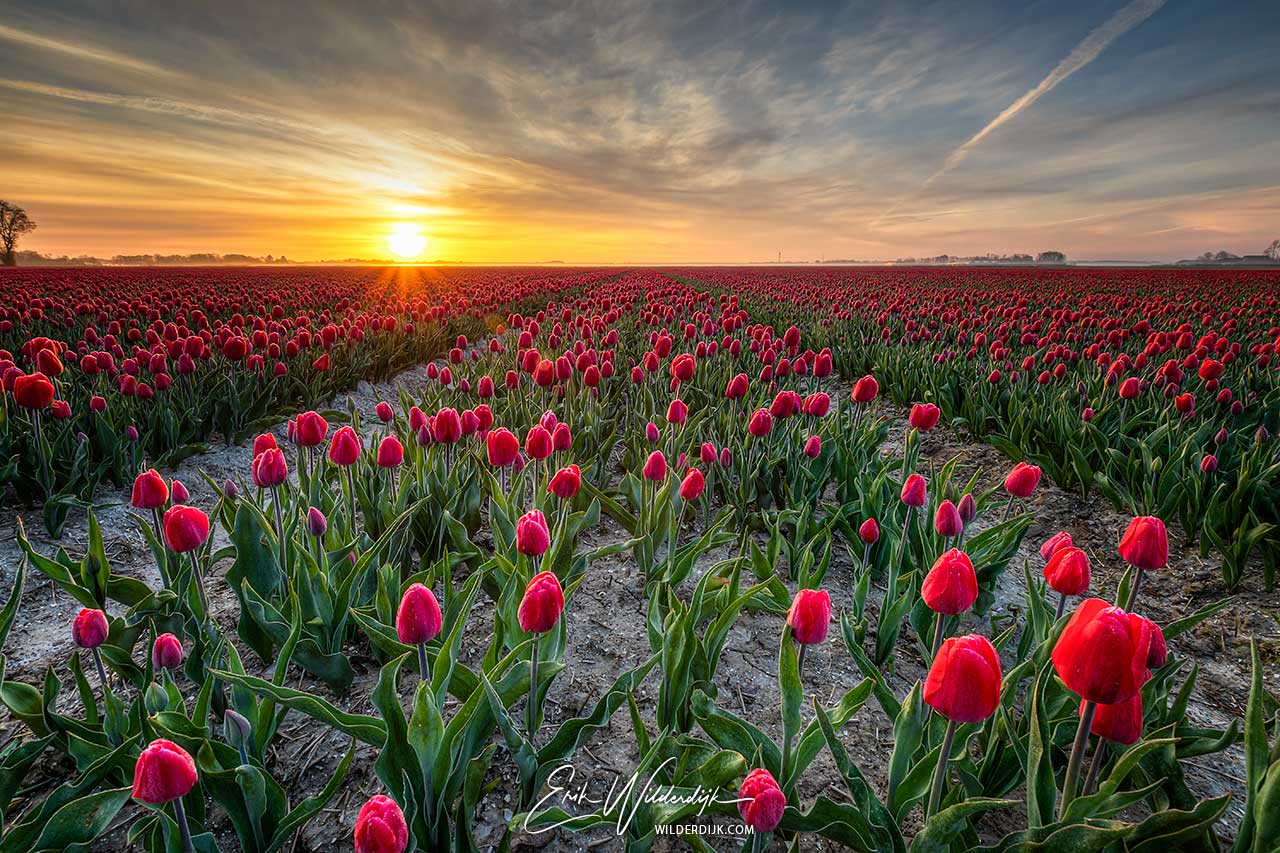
(607, 636)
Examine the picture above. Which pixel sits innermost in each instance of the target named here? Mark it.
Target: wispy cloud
(92, 54)
(1081, 55)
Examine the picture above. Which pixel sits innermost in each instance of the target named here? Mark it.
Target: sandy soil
(606, 636)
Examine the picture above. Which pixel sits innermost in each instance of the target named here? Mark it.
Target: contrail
(1080, 56)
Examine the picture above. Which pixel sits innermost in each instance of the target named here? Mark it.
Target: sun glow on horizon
(406, 241)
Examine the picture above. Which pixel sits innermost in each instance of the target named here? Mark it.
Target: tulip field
(770, 558)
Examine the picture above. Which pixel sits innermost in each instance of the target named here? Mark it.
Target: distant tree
(1224, 255)
(1273, 251)
(14, 222)
(1051, 258)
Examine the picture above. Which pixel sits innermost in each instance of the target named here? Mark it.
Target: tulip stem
(1133, 591)
(800, 661)
(940, 774)
(1062, 605)
(755, 843)
(533, 690)
(199, 581)
(1077, 757)
(937, 636)
(162, 558)
(1095, 764)
(181, 815)
(422, 661)
(102, 672)
(275, 503)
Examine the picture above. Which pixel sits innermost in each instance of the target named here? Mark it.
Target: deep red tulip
(1022, 480)
(913, 491)
(1145, 544)
(810, 616)
(345, 447)
(946, 521)
(185, 528)
(538, 443)
(655, 467)
(951, 586)
(1053, 544)
(963, 684)
(384, 412)
(924, 416)
(542, 604)
(761, 423)
(89, 629)
(692, 485)
(33, 392)
(380, 827)
(264, 442)
(503, 447)
(865, 390)
(390, 452)
(1068, 571)
(566, 483)
(164, 772)
(311, 429)
(1102, 653)
(760, 801)
(269, 468)
(533, 537)
(418, 619)
(149, 490)
(869, 531)
(1118, 723)
(166, 652)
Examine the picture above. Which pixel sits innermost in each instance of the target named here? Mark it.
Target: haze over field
(643, 133)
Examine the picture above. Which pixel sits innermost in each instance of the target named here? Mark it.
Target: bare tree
(13, 223)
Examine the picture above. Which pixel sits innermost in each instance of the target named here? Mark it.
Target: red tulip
(380, 827)
(264, 442)
(655, 467)
(384, 412)
(913, 491)
(924, 416)
(813, 447)
(692, 485)
(185, 528)
(1129, 388)
(761, 423)
(538, 443)
(1118, 723)
(269, 468)
(561, 437)
(503, 447)
(810, 616)
(963, 684)
(33, 392)
(761, 802)
(149, 490)
(1102, 653)
(869, 531)
(1022, 480)
(311, 429)
(946, 521)
(1159, 652)
(566, 482)
(418, 619)
(682, 367)
(542, 604)
(446, 426)
(737, 387)
(677, 412)
(951, 586)
(164, 772)
(1053, 544)
(89, 629)
(1068, 571)
(1145, 544)
(533, 537)
(345, 447)
(390, 452)
(166, 652)
(865, 390)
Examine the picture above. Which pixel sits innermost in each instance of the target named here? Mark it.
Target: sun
(406, 241)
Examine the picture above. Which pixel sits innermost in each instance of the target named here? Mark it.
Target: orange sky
(627, 135)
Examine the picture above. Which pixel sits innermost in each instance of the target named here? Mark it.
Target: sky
(627, 131)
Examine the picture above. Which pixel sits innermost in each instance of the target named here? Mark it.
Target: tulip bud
(651, 432)
(380, 827)
(561, 437)
(533, 537)
(726, 457)
(542, 604)
(384, 412)
(913, 491)
(237, 731)
(89, 629)
(813, 447)
(1209, 463)
(317, 524)
(418, 619)
(810, 616)
(164, 772)
(968, 508)
(869, 531)
(761, 802)
(166, 652)
(230, 490)
(155, 698)
(178, 492)
(946, 521)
